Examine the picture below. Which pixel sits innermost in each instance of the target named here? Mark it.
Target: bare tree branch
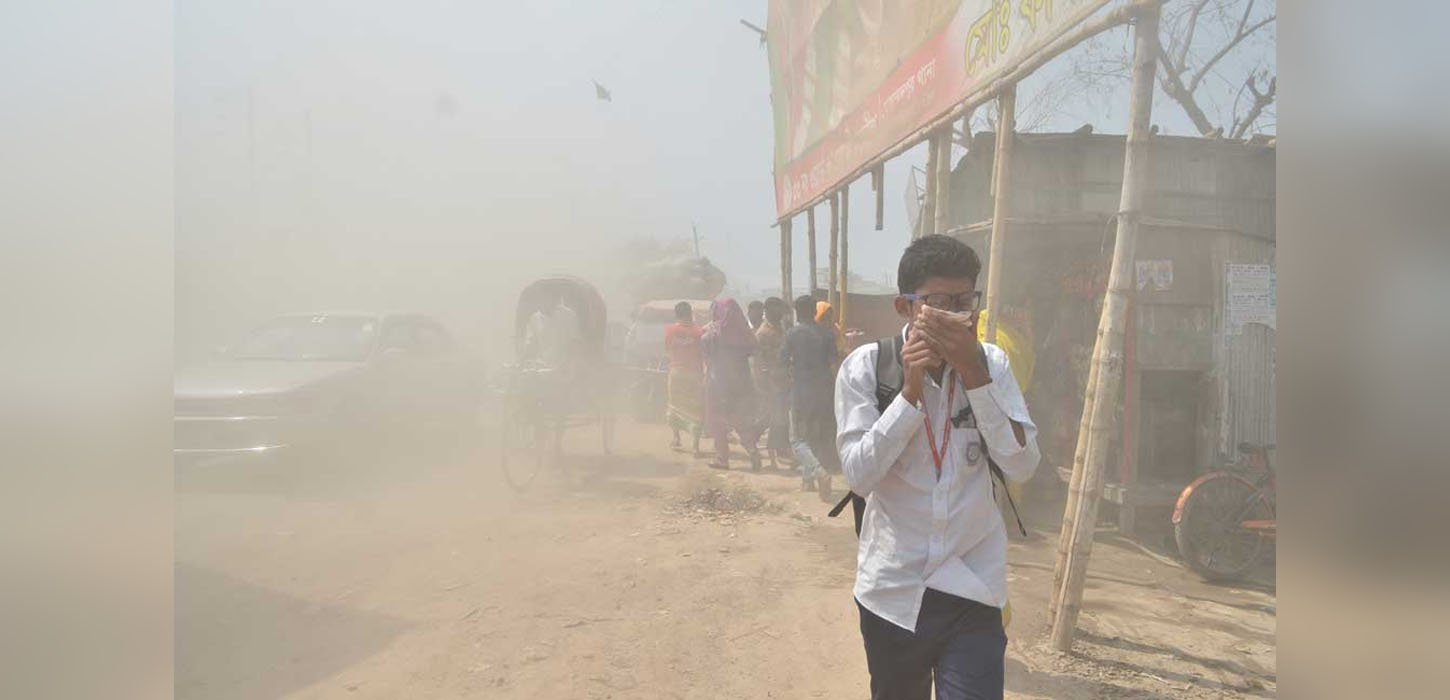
(1239, 36)
(1238, 97)
(1188, 35)
(1173, 87)
(1215, 103)
(1261, 100)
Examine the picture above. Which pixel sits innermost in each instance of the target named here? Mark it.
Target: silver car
(322, 380)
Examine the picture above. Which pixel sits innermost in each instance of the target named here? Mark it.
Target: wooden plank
(810, 252)
(1132, 420)
(878, 183)
(943, 177)
(834, 251)
(785, 261)
(926, 225)
(843, 272)
(1001, 174)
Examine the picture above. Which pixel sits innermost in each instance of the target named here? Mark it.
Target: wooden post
(1074, 485)
(785, 261)
(1110, 328)
(810, 252)
(878, 183)
(926, 225)
(1001, 177)
(835, 240)
(842, 271)
(1132, 419)
(943, 177)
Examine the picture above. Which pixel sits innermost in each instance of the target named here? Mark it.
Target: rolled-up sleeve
(996, 405)
(869, 441)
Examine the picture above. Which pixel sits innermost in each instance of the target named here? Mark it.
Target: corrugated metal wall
(1245, 362)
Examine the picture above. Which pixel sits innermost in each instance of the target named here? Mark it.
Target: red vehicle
(1225, 520)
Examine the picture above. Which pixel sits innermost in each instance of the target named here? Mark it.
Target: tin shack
(1199, 375)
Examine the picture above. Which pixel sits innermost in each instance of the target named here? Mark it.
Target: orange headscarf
(821, 308)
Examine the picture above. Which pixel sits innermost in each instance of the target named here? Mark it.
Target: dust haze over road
(437, 158)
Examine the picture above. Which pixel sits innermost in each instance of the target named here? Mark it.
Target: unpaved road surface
(415, 575)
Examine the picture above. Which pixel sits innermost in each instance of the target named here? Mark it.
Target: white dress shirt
(919, 532)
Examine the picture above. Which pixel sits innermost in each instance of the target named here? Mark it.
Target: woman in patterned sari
(729, 386)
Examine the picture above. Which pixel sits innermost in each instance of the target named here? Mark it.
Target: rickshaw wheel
(524, 447)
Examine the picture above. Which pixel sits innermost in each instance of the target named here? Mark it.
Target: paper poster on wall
(1249, 296)
(1156, 275)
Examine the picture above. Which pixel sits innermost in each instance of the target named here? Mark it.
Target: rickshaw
(539, 397)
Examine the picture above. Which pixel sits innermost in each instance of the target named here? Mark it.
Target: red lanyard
(939, 455)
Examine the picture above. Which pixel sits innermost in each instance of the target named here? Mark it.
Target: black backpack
(889, 378)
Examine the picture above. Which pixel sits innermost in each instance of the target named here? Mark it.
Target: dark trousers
(813, 421)
(959, 641)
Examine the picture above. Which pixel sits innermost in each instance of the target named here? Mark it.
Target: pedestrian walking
(931, 572)
(729, 386)
(685, 405)
(810, 355)
(772, 382)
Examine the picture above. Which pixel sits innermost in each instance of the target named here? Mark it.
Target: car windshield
(302, 338)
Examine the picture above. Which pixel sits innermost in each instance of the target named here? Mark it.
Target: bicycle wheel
(523, 448)
(1210, 536)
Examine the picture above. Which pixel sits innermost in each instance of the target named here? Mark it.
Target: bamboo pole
(878, 183)
(1001, 178)
(1110, 326)
(835, 240)
(811, 250)
(842, 272)
(943, 177)
(785, 261)
(1132, 417)
(1120, 15)
(1074, 486)
(927, 223)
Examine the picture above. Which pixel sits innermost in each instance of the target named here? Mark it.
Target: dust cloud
(360, 158)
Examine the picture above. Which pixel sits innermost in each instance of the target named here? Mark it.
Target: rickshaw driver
(552, 337)
(553, 340)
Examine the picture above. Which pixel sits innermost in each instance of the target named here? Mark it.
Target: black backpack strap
(889, 372)
(890, 375)
(889, 378)
(997, 472)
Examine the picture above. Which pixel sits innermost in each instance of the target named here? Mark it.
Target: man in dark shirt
(809, 355)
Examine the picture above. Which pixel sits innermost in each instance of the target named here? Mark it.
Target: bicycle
(1226, 519)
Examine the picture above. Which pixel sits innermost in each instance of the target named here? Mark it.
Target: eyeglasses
(966, 301)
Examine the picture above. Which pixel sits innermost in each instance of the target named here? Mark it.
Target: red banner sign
(852, 78)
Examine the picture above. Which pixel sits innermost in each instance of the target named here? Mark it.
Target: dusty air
(788, 350)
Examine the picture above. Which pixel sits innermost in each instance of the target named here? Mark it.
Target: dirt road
(408, 576)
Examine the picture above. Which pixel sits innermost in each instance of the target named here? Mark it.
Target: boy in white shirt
(932, 564)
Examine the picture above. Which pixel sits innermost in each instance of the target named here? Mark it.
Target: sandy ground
(422, 576)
